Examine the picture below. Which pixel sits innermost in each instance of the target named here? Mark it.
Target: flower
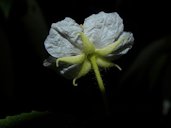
(96, 43)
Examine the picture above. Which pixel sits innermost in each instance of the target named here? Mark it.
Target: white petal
(103, 28)
(124, 46)
(127, 40)
(57, 46)
(49, 61)
(69, 29)
(63, 40)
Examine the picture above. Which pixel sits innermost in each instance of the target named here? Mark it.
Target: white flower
(100, 39)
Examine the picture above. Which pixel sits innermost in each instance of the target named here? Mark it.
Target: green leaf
(11, 121)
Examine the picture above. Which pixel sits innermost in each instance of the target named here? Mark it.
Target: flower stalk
(100, 82)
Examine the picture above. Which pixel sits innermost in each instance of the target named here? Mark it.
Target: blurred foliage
(23, 28)
(17, 120)
(150, 73)
(21, 22)
(5, 6)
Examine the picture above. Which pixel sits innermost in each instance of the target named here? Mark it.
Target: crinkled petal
(103, 28)
(126, 42)
(70, 30)
(58, 46)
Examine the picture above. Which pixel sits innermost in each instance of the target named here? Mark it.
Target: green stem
(100, 82)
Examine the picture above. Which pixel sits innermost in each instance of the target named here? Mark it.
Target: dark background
(135, 95)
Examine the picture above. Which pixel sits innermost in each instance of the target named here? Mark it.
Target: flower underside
(77, 49)
(90, 56)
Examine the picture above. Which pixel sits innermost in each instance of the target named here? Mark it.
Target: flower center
(88, 47)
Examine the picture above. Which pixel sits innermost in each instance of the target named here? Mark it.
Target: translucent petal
(70, 72)
(49, 61)
(118, 48)
(126, 42)
(103, 28)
